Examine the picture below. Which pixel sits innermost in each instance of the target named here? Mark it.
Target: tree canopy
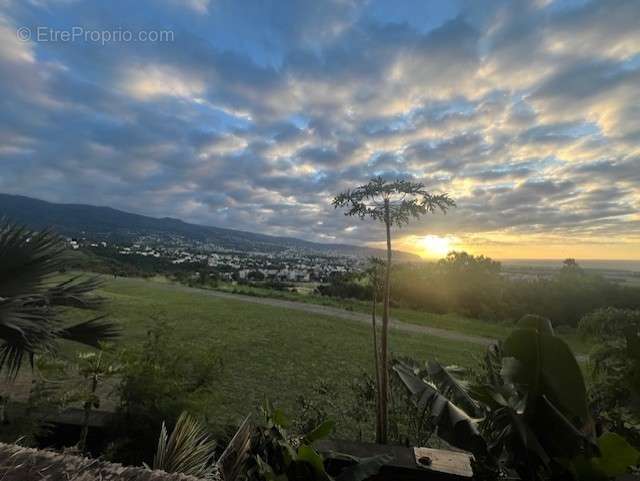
(405, 199)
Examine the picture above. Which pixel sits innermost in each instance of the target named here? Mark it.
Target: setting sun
(427, 246)
(434, 246)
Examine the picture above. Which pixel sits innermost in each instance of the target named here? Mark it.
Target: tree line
(478, 287)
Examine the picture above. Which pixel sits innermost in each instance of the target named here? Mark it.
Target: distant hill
(77, 220)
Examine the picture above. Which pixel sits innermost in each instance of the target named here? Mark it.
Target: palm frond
(76, 292)
(233, 459)
(91, 333)
(24, 327)
(28, 259)
(29, 306)
(188, 450)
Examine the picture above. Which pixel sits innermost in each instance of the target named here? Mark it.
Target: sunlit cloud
(525, 112)
(12, 49)
(152, 81)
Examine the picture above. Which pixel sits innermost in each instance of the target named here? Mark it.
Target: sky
(253, 114)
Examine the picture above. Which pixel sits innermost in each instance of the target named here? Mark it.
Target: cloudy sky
(251, 114)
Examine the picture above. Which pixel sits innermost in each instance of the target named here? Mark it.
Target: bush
(475, 286)
(160, 378)
(355, 412)
(346, 286)
(608, 322)
(615, 389)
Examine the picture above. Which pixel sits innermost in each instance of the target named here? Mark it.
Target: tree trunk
(384, 367)
(84, 433)
(376, 352)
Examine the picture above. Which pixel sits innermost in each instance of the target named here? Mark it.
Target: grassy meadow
(269, 352)
(266, 352)
(453, 322)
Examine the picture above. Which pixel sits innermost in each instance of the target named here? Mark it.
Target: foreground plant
(278, 455)
(188, 450)
(59, 383)
(94, 369)
(159, 377)
(31, 299)
(355, 412)
(615, 370)
(393, 204)
(528, 415)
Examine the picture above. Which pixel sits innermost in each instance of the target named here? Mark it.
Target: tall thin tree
(376, 275)
(394, 204)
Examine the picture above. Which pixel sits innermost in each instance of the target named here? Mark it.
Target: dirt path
(340, 314)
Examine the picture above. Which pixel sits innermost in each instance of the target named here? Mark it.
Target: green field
(267, 352)
(272, 352)
(453, 322)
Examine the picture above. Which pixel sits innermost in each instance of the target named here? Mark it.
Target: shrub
(608, 322)
(355, 412)
(615, 370)
(160, 378)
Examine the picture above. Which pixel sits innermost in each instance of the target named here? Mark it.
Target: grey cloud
(346, 94)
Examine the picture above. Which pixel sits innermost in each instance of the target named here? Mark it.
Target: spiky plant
(31, 299)
(188, 450)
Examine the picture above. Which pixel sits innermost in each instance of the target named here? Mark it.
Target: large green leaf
(453, 425)
(546, 366)
(320, 432)
(537, 323)
(308, 460)
(559, 435)
(453, 388)
(616, 456)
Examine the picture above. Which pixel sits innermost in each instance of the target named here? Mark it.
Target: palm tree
(31, 298)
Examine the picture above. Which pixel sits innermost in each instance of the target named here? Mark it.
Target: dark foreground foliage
(277, 454)
(615, 370)
(527, 415)
(32, 302)
(157, 382)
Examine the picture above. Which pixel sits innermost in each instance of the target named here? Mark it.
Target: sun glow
(434, 246)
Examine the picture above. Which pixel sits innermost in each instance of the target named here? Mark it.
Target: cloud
(258, 112)
(198, 6)
(152, 81)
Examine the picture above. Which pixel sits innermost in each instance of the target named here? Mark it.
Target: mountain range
(106, 223)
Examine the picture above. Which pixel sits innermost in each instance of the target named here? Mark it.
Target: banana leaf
(453, 388)
(546, 366)
(453, 424)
